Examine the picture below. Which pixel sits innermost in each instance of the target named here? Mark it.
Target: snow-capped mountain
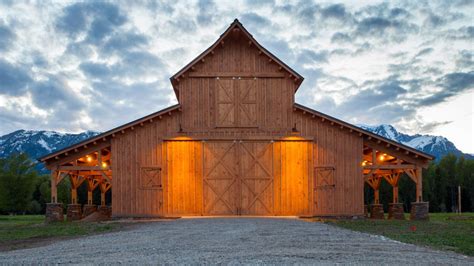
(435, 145)
(38, 143)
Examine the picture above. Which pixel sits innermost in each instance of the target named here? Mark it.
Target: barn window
(236, 102)
(150, 177)
(324, 177)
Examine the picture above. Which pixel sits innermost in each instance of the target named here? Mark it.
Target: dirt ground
(232, 240)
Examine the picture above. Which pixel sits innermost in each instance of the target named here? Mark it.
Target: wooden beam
(82, 168)
(72, 157)
(398, 154)
(236, 74)
(390, 166)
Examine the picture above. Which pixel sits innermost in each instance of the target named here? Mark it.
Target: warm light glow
(364, 163)
(88, 158)
(104, 164)
(182, 138)
(382, 157)
(292, 138)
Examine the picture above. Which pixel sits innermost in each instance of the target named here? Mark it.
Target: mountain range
(39, 143)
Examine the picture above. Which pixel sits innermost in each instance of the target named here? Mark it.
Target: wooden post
(76, 181)
(54, 188)
(73, 195)
(89, 197)
(419, 184)
(102, 198)
(376, 196)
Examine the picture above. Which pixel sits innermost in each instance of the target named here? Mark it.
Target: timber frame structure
(236, 144)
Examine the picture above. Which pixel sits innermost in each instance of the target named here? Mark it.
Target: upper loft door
(236, 102)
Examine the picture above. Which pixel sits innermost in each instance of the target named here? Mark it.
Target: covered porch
(91, 166)
(388, 163)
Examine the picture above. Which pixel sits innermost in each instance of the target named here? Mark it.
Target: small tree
(17, 183)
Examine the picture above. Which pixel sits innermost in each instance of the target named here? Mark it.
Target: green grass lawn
(23, 230)
(446, 231)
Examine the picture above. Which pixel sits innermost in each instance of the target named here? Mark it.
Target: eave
(106, 136)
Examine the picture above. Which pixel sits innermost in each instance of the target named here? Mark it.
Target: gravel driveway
(232, 240)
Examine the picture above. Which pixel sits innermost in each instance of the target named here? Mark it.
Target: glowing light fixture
(382, 157)
(104, 165)
(88, 158)
(294, 130)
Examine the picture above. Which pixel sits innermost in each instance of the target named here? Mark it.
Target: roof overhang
(372, 139)
(104, 138)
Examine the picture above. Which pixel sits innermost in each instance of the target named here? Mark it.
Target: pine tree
(17, 183)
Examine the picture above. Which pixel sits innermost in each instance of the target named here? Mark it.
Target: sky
(75, 66)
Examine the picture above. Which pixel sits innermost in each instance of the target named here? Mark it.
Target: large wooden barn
(236, 144)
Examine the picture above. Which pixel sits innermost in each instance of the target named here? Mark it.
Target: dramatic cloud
(75, 66)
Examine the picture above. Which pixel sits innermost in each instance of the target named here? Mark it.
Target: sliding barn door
(294, 185)
(220, 178)
(256, 178)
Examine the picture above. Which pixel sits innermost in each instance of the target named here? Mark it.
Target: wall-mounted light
(88, 159)
(104, 165)
(294, 130)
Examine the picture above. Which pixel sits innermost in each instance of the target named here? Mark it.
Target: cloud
(7, 36)
(96, 19)
(464, 59)
(383, 27)
(13, 79)
(340, 37)
(337, 11)
(54, 92)
(432, 126)
(368, 63)
(424, 52)
(125, 41)
(451, 84)
(457, 82)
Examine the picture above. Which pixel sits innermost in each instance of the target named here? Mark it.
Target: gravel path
(235, 241)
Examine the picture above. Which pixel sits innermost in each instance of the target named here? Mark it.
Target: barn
(236, 144)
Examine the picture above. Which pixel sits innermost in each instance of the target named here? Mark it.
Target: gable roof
(106, 135)
(365, 132)
(235, 25)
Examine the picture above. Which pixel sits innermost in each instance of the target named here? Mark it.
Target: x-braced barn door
(256, 177)
(238, 178)
(236, 102)
(220, 186)
(324, 189)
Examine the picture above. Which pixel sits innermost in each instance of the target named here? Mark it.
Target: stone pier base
(74, 212)
(419, 211)
(89, 209)
(54, 212)
(395, 211)
(105, 210)
(376, 211)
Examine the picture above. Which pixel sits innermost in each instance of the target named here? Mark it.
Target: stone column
(395, 211)
(74, 212)
(419, 211)
(54, 212)
(89, 209)
(376, 211)
(105, 210)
